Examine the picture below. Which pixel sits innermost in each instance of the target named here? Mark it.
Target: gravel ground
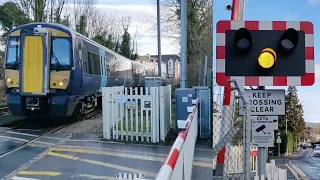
(88, 126)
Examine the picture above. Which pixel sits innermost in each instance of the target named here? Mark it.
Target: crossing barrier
(178, 164)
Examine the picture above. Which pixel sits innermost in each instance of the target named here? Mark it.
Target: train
(52, 71)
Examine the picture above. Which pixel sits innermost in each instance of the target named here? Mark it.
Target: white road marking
(49, 137)
(24, 134)
(301, 152)
(13, 138)
(22, 178)
(29, 129)
(293, 171)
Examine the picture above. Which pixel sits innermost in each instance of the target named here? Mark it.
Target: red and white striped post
(226, 98)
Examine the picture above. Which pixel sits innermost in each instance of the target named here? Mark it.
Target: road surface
(309, 165)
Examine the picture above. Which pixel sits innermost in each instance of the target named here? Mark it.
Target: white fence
(273, 172)
(178, 165)
(136, 114)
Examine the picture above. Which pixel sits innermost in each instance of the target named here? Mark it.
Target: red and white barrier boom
(178, 164)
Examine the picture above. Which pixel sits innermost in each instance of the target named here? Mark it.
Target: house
(176, 65)
(153, 61)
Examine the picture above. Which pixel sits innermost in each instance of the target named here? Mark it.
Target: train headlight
(65, 81)
(8, 80)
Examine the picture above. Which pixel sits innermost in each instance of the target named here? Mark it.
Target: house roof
(166, 57)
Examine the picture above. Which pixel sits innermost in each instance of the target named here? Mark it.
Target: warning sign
(262, 131)
(269, 102)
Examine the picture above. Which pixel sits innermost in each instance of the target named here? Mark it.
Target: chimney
(148, 55)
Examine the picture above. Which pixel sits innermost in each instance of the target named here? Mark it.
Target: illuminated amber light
(267, 58)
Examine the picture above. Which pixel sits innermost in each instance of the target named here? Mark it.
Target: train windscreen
(13, 52)
(61, 53)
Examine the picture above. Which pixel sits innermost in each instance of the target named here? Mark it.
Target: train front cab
(36, 84)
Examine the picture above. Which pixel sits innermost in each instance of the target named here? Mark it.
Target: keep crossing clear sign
(269, 102)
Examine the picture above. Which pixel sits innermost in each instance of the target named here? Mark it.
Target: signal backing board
(306, 80)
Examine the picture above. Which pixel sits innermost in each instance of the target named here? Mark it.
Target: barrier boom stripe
(307, 27)
(169, 165)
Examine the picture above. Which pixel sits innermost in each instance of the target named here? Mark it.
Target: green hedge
(287, 142)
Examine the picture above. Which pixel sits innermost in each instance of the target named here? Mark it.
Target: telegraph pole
(262, 153)
(183, 53)
(159, 38)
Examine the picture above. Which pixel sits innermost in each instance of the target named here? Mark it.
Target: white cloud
(147, 39)
(291, 17)
(314, 2)
(310, 102)
(317, 71)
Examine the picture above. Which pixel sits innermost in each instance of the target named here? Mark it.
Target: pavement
(58, 156)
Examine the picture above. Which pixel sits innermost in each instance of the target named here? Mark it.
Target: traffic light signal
(265, 52)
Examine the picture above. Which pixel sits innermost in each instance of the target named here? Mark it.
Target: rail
(4, 111)
(178, 164)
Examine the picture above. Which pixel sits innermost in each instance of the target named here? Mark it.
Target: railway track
(4, 111)
(35, 138)
(48, 131)
(92, 114)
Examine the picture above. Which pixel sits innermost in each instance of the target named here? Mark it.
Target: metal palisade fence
(136, 114)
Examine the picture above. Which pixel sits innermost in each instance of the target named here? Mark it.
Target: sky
(143, 14)
(287, 10)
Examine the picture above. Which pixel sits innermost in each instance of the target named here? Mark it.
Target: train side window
(90, 63)
(97, 64)
(102, 65)
(105, 66)
(85, 59)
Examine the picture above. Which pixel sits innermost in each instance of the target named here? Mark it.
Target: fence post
(170, 102)
(247, 139)
(106, 112)
(157, 115)
(112, 115)
(162, 114)
(153, 114)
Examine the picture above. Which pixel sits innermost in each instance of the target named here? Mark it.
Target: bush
(287, 143)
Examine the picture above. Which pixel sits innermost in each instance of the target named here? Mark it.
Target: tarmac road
(309, 165)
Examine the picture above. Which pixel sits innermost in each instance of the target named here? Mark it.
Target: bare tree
(199, 31)
(125, 22)
(43, 10)
(135, 39)
(84, 9)
(56, 8)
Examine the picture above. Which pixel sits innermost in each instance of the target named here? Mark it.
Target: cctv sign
(269, 102)
(263, 130)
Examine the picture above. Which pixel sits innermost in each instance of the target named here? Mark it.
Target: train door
(35, 53)
(84, 62)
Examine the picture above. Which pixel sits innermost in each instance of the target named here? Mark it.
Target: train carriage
(53, 71)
